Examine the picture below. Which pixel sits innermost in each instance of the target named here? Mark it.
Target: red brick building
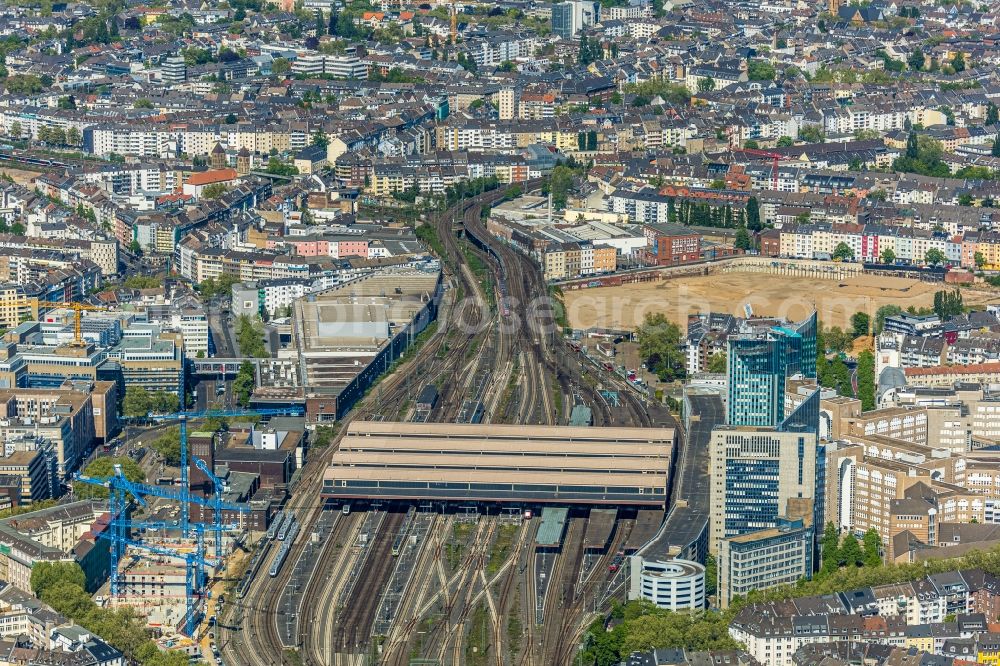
(770, 243)
(670, 244)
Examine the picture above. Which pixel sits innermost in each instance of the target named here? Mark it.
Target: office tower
(568, 18)
(761, 357)
(755, 471)
(174, 70)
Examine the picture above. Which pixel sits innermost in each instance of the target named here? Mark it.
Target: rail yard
(372, 580)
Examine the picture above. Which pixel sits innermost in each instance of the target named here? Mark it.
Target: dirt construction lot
(769, 295)
(20, 176)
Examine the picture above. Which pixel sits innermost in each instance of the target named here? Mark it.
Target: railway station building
(475, 464)
(349, 335)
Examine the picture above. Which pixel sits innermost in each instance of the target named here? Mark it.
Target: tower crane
(183, 418)
(120, 489)
(218, 487)
(75, 306)
(454, 23)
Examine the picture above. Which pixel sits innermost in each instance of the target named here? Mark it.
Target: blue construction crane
(194, 570)
(119, 489)
(185, 463)
(218, 487)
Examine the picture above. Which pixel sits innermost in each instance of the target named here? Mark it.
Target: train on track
(286, 527)
(404, 531)
(291, 529)
(276, 525)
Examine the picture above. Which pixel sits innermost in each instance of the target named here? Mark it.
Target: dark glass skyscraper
(760, 359)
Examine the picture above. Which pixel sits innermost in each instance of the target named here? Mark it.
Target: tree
(883, 312)
(995, 150)
(860, 324)
(843, 252)
(912, 146)
(837, 339)
(168, 445)
(659, 344)
(759, 70)
(948, 304)
(67, 597)
(244, 383)
(142, 282)
(24, 84)
(279, 168)
(46, 574)
(231, 118)
(980, 260)
(135, 248)
(103, 468)
(743, 241)
(837, 376)
(785, 141)
(811, 133)
(320, 139)
(872, 548)
(587, 53)
(137, 402)
(753, 215)
(706, 84)
(17, 229)
(916, 59)
(560, 183)
(711, 575)
(888, 256)
(73, 136)
(866, 380)
(850, 553)
(717, 362)
(830, 548)
(15, 129)
(751, 144)
(214, 191)
(934, 257)
(992, 114)
(281, 66)
(958, 62)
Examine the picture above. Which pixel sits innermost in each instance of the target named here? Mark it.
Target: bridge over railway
(220, 367)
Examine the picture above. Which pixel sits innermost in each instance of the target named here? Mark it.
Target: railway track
(258, 613)
(322, 591)
(352, 628)
(519, 336)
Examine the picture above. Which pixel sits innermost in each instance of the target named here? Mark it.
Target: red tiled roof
(210, 177)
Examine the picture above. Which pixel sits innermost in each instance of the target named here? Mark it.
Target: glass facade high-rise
(768, 456)
(568, 18)
(760, 359)
(562, 20)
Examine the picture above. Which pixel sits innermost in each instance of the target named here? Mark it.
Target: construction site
(169, 543)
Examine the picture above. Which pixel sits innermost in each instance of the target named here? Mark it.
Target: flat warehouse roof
(502, 463)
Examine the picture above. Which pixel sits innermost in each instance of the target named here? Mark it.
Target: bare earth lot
(770, 295)
(20, 176)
